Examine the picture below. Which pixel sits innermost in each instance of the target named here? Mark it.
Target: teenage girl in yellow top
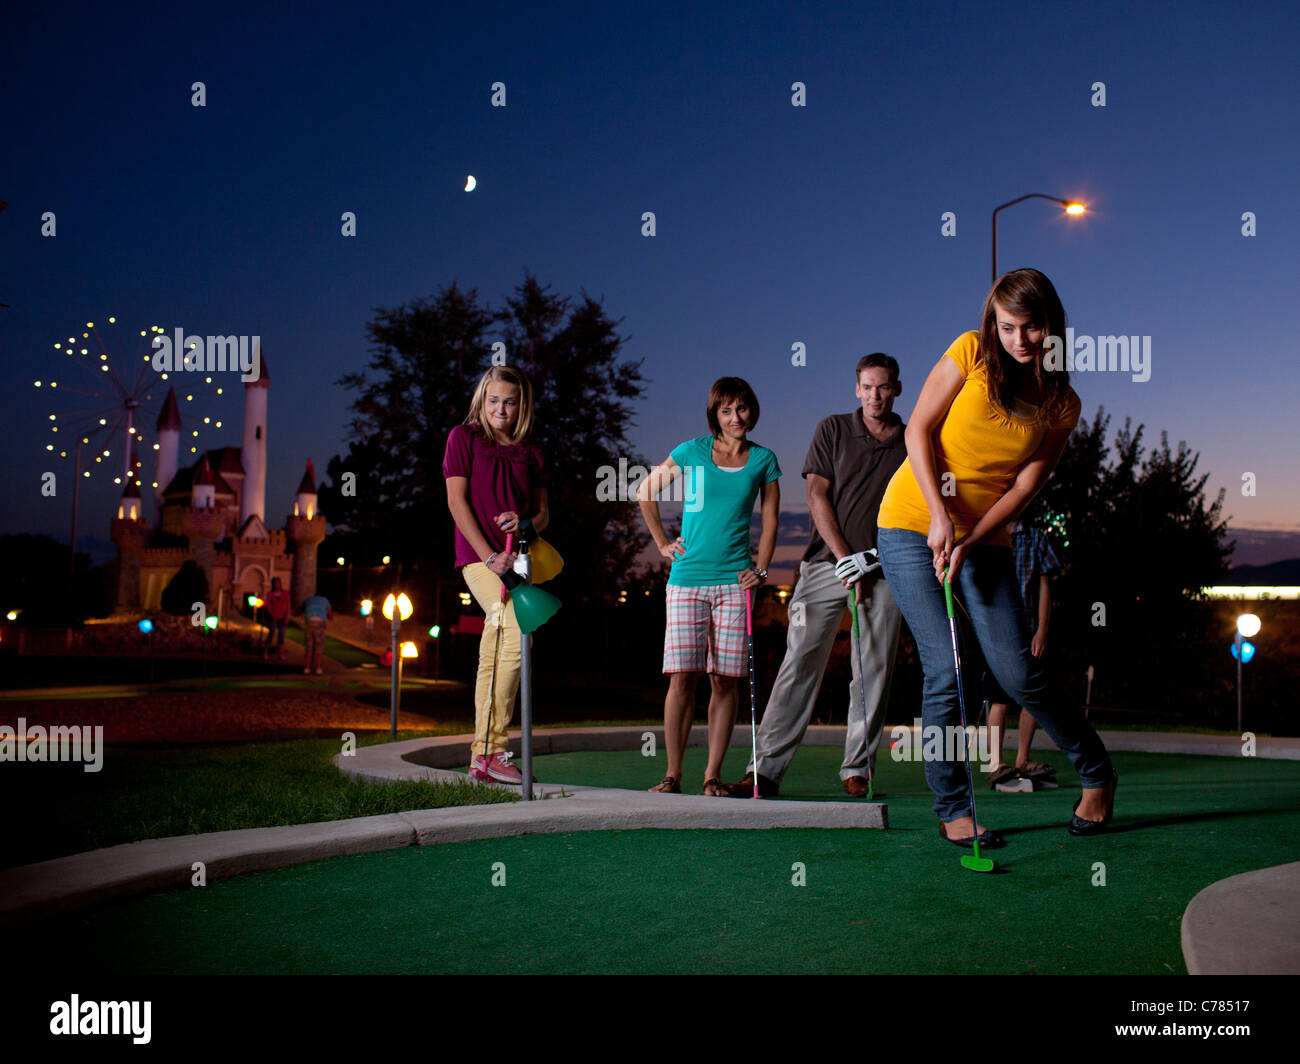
(987, 431)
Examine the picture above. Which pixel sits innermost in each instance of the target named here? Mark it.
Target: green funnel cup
(534, 606)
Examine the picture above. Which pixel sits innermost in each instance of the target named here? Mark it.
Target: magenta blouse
(501, 477)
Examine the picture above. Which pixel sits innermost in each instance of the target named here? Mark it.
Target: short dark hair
(874, 360)
(725, 388)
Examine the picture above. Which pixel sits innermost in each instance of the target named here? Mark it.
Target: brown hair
(1026, 294)
(878, 360)
(733, 388)
(510, 375)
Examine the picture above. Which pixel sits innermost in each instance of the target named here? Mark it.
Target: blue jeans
(986, 586)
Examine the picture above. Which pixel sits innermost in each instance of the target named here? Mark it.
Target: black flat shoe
(1079, 826)
(989, 840)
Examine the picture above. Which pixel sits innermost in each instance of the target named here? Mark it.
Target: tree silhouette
(1141, 540)
(426, 358)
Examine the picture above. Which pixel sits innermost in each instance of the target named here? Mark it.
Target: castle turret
(307, 529)
(130, 531)
(169, 439)
(253, 453)
(305, 504)
(203, 522)
(203, 492)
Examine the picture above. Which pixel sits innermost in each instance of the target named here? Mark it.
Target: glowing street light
(1071, 207)
(1247, 625)
(397, 608)
(401, 603)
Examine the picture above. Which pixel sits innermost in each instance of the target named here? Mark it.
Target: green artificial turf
(724, 901)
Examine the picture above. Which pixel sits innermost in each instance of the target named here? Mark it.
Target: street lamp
(397, 608)
(1071, 207)
(1248, 625)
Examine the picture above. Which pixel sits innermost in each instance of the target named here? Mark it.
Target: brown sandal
(667, 785)
(715, 788)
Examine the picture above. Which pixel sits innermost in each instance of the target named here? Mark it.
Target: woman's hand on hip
(673, 549)
(748, 578)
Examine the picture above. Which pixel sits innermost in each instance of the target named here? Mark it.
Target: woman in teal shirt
(711, 568)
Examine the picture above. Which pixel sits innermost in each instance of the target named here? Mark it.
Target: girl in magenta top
(494, 478)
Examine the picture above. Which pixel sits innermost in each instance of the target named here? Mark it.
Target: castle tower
(169, 440)
(307, 529)
(202, 522)
(253, 453)
(130, 531)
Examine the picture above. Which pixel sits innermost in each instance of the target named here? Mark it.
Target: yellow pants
(494, 700)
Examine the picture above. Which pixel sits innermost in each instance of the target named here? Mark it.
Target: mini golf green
(726, 901)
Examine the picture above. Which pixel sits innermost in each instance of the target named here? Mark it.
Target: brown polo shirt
(859, 468)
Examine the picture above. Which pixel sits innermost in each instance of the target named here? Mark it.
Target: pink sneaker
(501, 770)
(478, 768)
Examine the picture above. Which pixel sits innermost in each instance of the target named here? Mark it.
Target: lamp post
(397, 608)
(1071, 207)
(1247, 625)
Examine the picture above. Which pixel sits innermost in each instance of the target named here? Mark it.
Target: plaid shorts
(706, 630)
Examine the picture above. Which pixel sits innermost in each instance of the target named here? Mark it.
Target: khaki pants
(816, 609)
(315, 639)
(494, 699)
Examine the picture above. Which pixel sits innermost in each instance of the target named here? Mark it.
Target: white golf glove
(854, 566)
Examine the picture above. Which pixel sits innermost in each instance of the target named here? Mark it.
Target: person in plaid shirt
(1035, 561)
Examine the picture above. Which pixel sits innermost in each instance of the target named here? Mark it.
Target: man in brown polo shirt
(848, 466)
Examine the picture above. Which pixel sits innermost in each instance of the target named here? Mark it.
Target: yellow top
(982, 445)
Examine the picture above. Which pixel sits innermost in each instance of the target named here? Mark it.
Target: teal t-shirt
(718, 508)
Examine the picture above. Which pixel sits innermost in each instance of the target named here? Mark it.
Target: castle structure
(214, 513)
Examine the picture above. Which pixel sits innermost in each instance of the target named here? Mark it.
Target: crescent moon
(470, 183)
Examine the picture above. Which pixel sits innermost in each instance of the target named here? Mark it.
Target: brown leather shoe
(744, 788)
(855, 786)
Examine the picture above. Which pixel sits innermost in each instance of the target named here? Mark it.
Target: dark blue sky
(776, 224)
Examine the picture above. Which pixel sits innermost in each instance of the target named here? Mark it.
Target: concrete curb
(164, 864)
(430, 758)
(1245, 925)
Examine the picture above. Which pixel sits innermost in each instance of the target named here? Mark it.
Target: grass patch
(149, 792)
